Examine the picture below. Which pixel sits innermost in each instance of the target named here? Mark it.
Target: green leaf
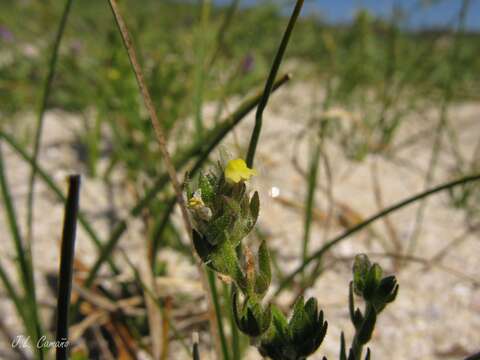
(202, 246)
(357, 318)
(361, 267)
(372, 281)
(351, 306)
(393, 295)
(187, 185)
(251, 318)
(217, 229)
(264, 276)
(311, 309)
(224, 260)
(232, 206)
(366, 331)
(255, 206)
(376, 273)
(276, 339)
(386, 293)
(238, 191)
(299, 323)
(208, 193)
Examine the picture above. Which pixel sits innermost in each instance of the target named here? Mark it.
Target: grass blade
(41, 114)
(218, 312)
(201, 42)
(269, 84)
(13, 295)
(24, 263)
(235, 334)
(319, 253)
(56, 190)
(310, 200)
(162, 142)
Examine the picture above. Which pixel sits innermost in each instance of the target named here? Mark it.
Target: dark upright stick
(66, 265)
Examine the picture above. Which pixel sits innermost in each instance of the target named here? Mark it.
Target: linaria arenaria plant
(223, 213)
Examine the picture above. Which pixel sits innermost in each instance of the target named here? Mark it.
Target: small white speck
(274, 192)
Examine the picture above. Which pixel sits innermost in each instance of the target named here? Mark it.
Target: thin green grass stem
(41, 114)
(50, 183)
(218, 312)
(24, 264)
(442, 125)
(317, 255)
(235, 336)
(252, 148)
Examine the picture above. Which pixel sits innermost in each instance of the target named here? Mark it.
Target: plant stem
(199, 83)
(157, 127)
(162, 141)
(66, 264)
(320, 252)
(442, 124)
(24, 264)
(41, 115)
(218, 311)
(269, 84)
(310, 200)
(235, 337)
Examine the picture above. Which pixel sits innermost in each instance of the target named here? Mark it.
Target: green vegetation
(76, 56)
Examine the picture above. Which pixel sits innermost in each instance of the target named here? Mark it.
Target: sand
(437, 312)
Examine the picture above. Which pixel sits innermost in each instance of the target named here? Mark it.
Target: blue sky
(439, 14)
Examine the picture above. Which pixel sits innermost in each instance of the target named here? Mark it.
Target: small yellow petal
(193, 202)
(237, 170)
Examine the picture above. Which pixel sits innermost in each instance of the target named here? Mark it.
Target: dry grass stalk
(159, 133)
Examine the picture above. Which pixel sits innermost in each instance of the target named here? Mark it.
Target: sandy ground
(437, 313)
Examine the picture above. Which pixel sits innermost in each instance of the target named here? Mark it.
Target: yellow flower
(237, 170)
(195, 203)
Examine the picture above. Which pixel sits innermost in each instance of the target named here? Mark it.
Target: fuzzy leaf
(208, 193)
(366, 331)
(372, 281)
(361, 267)
(225, 261)
(202, 246)
(232, 206)
(187, 185)
(264, 276)
(238, 191)
(255, 206)
(386, 293)
(217, 229)
(351, 306)
(251, 319)
(311, 309)
(274, 341)
(299, 323)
